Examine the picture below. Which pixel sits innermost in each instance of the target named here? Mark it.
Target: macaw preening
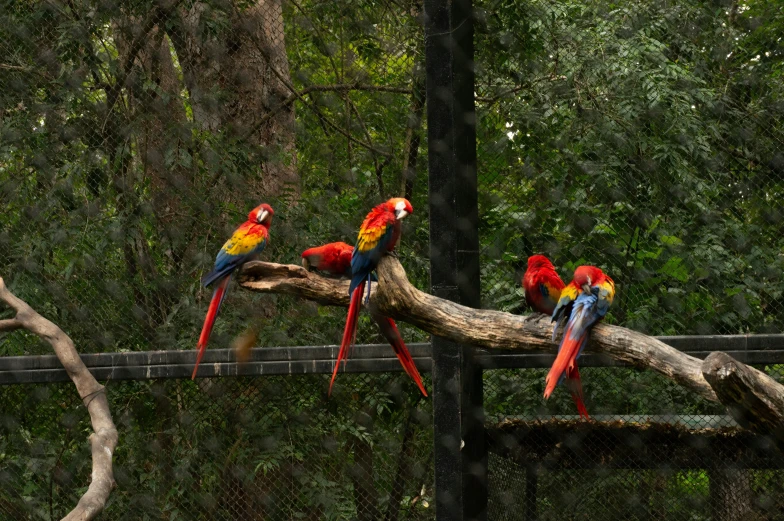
(335, 258)
(583, 303)
(377, 236)
(245, 244)
(542, 285)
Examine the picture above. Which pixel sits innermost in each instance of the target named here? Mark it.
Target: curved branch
(395, 297)
(753, 399)
(104, 438)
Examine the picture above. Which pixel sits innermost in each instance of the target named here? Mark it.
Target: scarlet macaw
(583, 303)
(542, 284)
(335, 258)
(245, 244)
(378, 235)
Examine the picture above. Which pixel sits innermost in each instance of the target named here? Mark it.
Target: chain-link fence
(645, 138)
(657, 453)
(136, 137)
(272, 447)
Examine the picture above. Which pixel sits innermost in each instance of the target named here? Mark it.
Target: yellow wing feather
(568, 294)
(607, 290)
(242, 242)
(368, 239)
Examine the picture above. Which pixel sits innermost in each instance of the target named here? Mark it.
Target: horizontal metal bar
(545, 360)
(710, 343)
(371, 358)
(154, 372)
(258, 354)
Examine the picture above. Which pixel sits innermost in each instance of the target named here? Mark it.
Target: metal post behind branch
(458, 415)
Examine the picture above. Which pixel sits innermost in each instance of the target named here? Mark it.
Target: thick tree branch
(394, 296)
(104, 438)
(754, 399)
(10, 324)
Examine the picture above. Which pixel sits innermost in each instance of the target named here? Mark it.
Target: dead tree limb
(394, 296)
(104, 438)
(753, 398)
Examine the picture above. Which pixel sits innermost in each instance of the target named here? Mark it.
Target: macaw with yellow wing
(335, 259)
(245, 244)
(378, 235)
(583, 303)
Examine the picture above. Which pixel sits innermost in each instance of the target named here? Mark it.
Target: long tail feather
(575, 386)
(350, 331)
(209, 320)
(389, 329)
(567, 354)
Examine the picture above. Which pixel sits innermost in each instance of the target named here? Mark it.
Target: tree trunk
(730, 494)
(237, 76)
(163, 144)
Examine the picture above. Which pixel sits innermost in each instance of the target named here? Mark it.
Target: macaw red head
(400, 206)
(586, 276)
(262, 214)
(536, 262)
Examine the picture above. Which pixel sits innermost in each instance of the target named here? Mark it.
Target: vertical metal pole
(458, 413)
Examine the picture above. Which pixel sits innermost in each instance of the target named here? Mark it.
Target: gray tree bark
(752, 397)
(237, 75)
(103, 440)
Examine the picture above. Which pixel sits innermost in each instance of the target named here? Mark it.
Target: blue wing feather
(226, 263)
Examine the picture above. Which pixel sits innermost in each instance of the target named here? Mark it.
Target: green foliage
(644, 137)
(624, 135)
(243, 447)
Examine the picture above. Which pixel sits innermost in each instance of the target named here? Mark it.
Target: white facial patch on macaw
(400, 210)
(262, 216)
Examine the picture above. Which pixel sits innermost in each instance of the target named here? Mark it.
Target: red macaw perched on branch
(542, 284)
(245, 244)
(583, 303)
(378, 235)
(543, 289)
(335, 258)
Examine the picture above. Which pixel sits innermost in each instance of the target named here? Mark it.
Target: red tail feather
(565, 361)
(350, 332)
(575, 386)
(209, 321)
(389, 329)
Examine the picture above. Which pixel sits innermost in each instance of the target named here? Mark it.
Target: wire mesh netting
(226, 448)
(659, 452)
(645, 138)
(136, 137)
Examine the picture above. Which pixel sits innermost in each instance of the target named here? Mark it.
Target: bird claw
(392, 253)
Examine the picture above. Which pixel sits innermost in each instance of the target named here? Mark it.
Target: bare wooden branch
(395, 297)
(104, 438)
(10, 324)
(754, 399)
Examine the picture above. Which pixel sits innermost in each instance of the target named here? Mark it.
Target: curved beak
(400, 214)
(262, 216)
(305, 263)
(587, 288)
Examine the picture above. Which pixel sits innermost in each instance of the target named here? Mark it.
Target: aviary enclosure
(643, 137)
